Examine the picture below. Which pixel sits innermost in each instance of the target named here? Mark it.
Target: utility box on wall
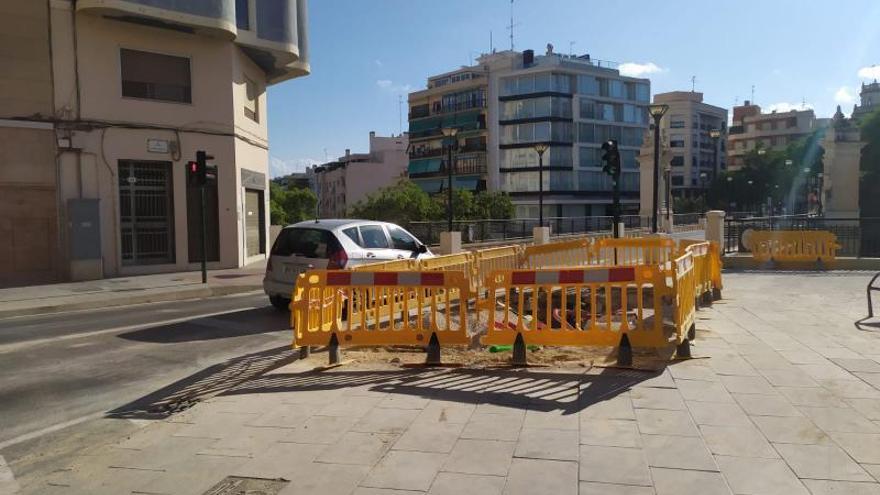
(84, 232)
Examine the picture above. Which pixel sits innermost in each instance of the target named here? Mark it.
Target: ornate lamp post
(449, 133)
(540, 148)
(656, 111)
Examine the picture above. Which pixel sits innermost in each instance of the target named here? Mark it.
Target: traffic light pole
(204, 236)
(615, 198)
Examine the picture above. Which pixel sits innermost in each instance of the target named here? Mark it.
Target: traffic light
(198, 172)
(611, 157)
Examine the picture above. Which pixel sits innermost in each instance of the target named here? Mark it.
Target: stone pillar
(715, 227)
(621, 230)
(541, 235)
(450, 242)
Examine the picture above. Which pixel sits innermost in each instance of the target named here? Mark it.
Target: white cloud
(388, 85)
(872, 72)
(783, 107)
(844, 96)
(377, 62)
(279, 166)
(633, 69)
(776, 72)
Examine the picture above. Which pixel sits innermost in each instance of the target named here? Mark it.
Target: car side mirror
(421, 249)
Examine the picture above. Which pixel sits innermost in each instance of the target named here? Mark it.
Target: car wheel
(280, 303)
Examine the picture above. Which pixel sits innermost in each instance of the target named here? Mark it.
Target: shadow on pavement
(538, 390)
(211, 381)
(237, 324)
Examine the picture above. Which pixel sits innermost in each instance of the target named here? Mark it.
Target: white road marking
(5, 349)
(8, 485)
(49, 429)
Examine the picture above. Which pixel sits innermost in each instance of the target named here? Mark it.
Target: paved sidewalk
(783, 397)
(120, 291)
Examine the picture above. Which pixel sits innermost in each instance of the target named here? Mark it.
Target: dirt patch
(556, 357)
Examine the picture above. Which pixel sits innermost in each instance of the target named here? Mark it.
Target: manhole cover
(238, 485)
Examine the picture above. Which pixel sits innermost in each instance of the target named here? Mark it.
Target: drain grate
(239, 485)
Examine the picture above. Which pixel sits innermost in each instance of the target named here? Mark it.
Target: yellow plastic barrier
(343, 308)
(500, 258)
(793, 245)
(557, 254)
(715, 266)
(658, 251)
(684, 297)
(708, 265)
(388, 266)
(596, 306)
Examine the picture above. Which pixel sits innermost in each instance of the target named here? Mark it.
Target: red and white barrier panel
(557, 277)
(385, 279)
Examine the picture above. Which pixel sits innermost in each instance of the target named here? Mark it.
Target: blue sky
(364, 54)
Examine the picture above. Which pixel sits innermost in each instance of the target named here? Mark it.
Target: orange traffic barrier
(557, 254)
(684, 288)
(657, 251)
(343, 308)
(596, 306)
(793, 245)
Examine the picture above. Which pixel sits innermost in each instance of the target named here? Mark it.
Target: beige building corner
(840, 174)
(106, 115)
(342, 183)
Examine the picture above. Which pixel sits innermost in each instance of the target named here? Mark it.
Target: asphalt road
(64, 369)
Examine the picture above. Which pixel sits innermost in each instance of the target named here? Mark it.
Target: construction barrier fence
(630, 292)
(792, 245)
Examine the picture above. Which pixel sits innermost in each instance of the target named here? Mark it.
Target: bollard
(715, 227)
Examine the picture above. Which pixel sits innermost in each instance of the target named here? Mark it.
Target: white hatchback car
(333, 244)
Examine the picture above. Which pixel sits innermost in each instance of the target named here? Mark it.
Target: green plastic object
(508, 348)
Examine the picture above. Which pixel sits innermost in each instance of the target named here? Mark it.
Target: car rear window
(305, 242)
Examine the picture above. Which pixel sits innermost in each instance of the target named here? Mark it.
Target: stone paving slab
(784, 398)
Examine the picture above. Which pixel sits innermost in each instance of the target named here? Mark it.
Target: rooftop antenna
(571, 48)
(803, 103)
(491, 44)
(512, 25)
(693, 83)
(753, 94)
(400, 114)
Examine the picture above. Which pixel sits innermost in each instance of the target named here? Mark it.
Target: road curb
(103, 301)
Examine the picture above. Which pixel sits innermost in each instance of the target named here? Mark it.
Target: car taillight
(337, 260)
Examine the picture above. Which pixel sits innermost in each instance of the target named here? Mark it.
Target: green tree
(401, 203)
(494, 205)
(869, 166)
(778, 175)
(291, 205)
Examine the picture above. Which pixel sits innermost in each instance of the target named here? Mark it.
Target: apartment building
(342, 183)
(752, 129)
(456, 99)
(696, 157)
(571, 103)
(104, 103)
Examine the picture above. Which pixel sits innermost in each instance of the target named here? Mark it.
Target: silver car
(333, 244)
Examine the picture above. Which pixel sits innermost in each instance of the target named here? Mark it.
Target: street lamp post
(540, 148)
(656, 111)
(449, 133)
(715, 135)
(667, 174)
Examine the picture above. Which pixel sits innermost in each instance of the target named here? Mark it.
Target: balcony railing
(443, 109)
(426, 153)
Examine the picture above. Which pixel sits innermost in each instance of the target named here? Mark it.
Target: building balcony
(274, 35)
(420, 113)
(436, 167)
